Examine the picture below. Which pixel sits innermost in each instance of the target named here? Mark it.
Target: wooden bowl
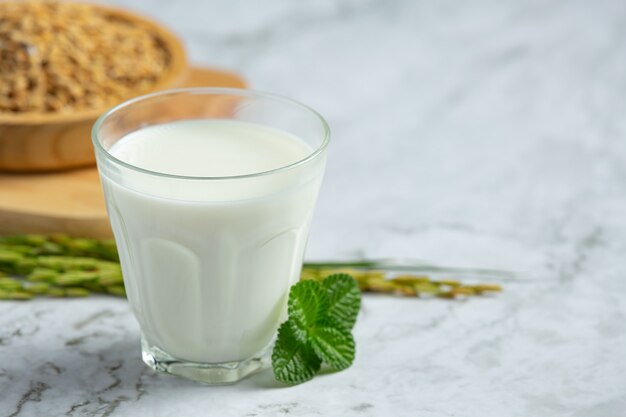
(54, 141)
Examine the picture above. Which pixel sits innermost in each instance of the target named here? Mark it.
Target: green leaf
(293, 361)
(307, 306)
(321, 315)
(335, 345)
(344, 299)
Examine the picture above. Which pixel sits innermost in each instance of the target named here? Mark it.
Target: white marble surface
(483, 133)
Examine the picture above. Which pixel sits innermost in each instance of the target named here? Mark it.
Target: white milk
(208, 262)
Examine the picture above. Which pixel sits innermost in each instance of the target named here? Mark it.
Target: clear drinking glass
(208, 261)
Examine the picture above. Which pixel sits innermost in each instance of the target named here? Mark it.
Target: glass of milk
(210, 194)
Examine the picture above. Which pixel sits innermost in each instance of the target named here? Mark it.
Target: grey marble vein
(487, 133)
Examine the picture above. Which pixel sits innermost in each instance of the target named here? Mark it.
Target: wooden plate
(71, 201)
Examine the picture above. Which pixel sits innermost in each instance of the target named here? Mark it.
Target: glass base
(207, 373)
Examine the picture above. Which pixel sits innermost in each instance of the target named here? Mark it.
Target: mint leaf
(335, 345)
(307, 306)
(294, 362)
(344, 299)
(321, 315)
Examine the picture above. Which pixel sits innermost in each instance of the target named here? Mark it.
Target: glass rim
(241, 92)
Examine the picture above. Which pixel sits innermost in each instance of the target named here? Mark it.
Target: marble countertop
(486, 133)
